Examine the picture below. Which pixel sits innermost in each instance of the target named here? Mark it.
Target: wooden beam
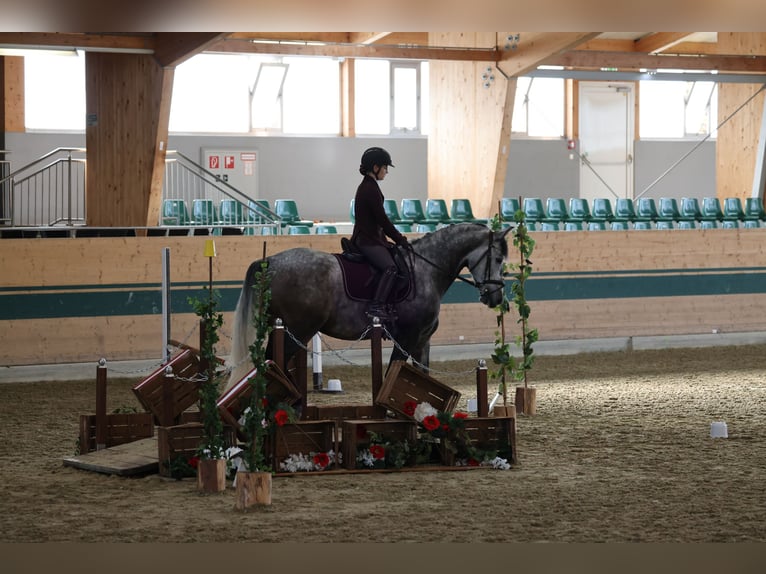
(635, 61)
(357, 51)
(117, 42)
(533, 49)
(173, 48)
(367, 37)
(348, 89)
(659, 41)
(12, 93)
(326, 37)
(501, 167)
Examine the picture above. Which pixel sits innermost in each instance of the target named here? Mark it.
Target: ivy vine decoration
(509, 366)
(211, 320)
(254, 456)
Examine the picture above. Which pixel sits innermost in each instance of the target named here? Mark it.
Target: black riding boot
(377, 307)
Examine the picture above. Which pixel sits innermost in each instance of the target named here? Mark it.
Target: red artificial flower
(193, 462)
(459, 415)
(445, 427)
(281, 417)
(409, 408)
(431, 423)
(377, 451)
(321, 459)
(473, 462)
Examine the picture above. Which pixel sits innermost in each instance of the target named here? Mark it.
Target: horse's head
(486, 265)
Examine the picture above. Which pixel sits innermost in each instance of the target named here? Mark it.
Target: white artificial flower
(424, 410)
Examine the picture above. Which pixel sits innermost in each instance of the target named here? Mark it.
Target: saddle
(360, 278)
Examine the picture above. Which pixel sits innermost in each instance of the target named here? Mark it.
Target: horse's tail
(244, 330)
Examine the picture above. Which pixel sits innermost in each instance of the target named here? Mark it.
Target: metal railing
(51, 190)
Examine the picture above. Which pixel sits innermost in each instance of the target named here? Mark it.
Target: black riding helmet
(374, 156)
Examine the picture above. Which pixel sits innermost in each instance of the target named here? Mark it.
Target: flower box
(404, 383)
(184, 392)
(486, 433)
(183, 441)
(303, 437)
(355, 437)
(340, 413)
(121, 428)
(234, 401)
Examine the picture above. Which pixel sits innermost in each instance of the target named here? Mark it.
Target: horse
(308, 293)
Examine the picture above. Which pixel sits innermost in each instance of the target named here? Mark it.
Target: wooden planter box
(302, 437)
(340, 413)
(152, 395)
(121, 428)
(235, 401)
(355, 437)
(488, 433)
(183, 440)
(404, 383)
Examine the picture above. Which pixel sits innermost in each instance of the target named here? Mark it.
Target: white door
(606, 139)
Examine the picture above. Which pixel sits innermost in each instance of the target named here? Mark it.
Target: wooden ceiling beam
(356, 51)
(659, 41)
(635, 61)
(172, 48)
(114, 42)
(533, 49)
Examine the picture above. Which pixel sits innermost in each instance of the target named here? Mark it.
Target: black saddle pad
(360, 280)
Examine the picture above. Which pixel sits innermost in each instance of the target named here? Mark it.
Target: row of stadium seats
(231, 212)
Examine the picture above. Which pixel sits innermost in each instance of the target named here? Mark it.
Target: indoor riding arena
(650, 392)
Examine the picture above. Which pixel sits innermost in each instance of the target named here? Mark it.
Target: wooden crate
(404, 383)
(235, 401)
(185, 393)
(340, 413)
(121, 428)
(496, 433)
(302, 437)
(184, 440)
(354, 436)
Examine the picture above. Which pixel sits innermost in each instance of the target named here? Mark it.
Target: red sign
(214, 162)
(228, 162)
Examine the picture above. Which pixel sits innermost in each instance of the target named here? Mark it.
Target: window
(54, 91)
(312, 96)
(538, 110)
(266, 97)
(390, 97)
(676, 109)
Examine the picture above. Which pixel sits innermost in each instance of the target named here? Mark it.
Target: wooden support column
(128, 110)
(348, 88)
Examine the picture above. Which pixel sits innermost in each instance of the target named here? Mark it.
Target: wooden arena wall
(73, 300)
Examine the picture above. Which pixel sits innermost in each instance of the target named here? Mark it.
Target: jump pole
(166, 305)
(316, 361)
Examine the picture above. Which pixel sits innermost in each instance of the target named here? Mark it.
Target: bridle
(480, 285)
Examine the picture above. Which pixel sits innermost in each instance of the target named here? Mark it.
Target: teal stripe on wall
(67, 301)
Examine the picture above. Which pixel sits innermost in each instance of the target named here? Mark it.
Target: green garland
(508, 365)
(213, 445)
(254, 456)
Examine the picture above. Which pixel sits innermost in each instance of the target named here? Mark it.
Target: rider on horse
(372, 226)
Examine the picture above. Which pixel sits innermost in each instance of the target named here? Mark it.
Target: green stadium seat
(508, 208)
(231, 212)
(412, 210)
(436, 211)
(425, 227)
(708, 224)
(204, 212)
(754, 209)
(259, 211)
(573, 226)
(533, 210)
(269, 230)
(711, 209)
(403, 227)
(392, 211)
(620, 225)
(351, 212)
(549, 226)
(686, 224)
(730, 224)
(624, 209)
(646, 209)
(174, 212)
(732, 209)
(298, 230)
(325, 230)
(556, 210)
(664, 224)
(601, 210)
(642, 225)
(689, 210)
(287, 211)
(751, 224)
(579, 210)
(461, 210)
(667, 210)
(596, 226)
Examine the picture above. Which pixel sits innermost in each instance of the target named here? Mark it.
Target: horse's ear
(506, 231)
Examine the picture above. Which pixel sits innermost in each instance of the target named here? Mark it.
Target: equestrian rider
(372, 226)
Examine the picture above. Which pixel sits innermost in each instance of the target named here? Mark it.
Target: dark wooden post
(168, 383)
(101, 430)
(481, 389)
(376, 357)
(301, 378)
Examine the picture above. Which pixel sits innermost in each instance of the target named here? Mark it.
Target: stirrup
(380, 312)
